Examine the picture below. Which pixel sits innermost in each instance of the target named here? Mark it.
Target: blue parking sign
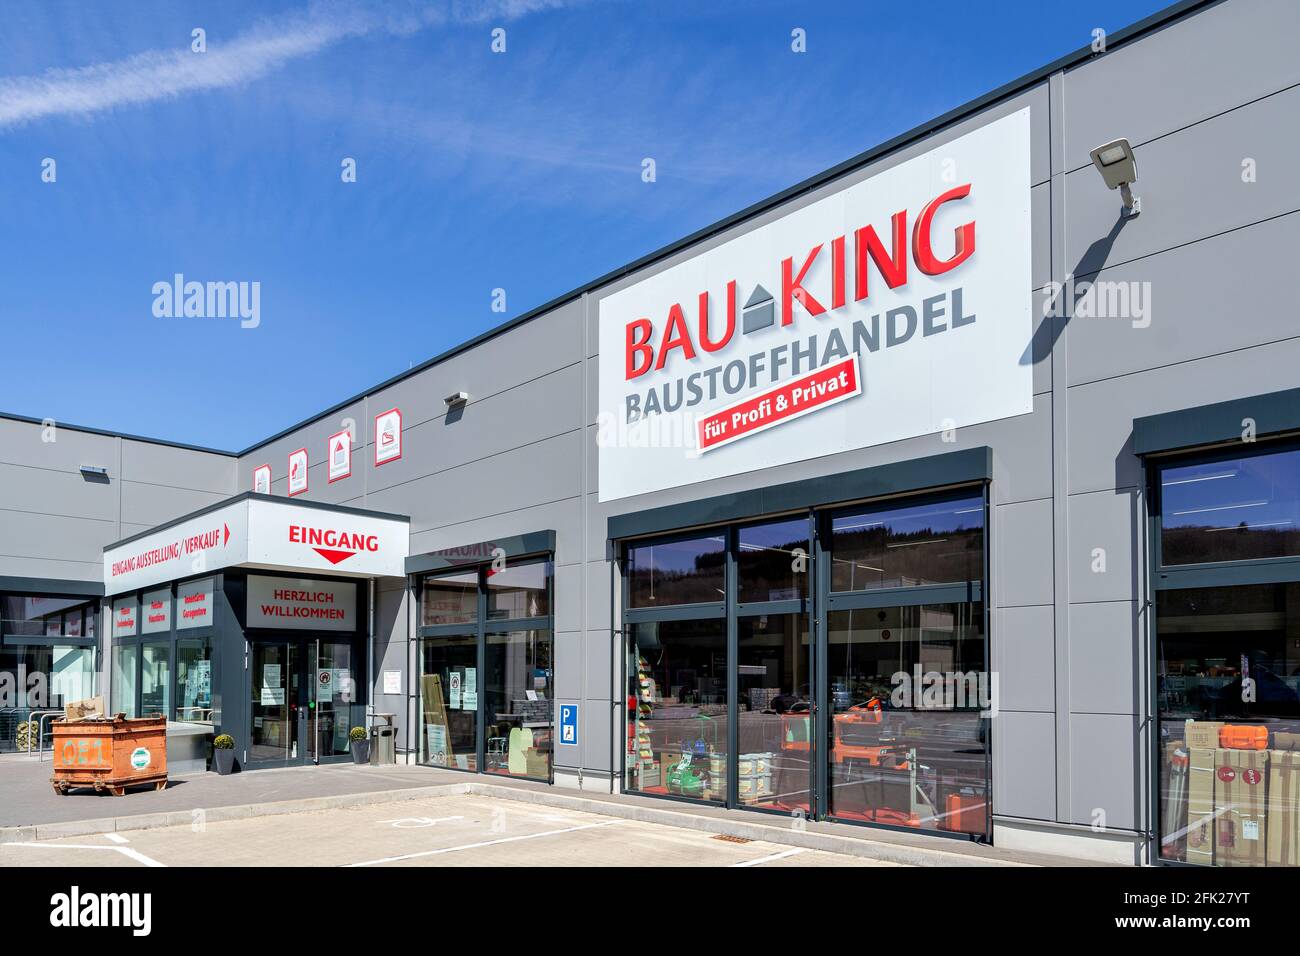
(569, 724)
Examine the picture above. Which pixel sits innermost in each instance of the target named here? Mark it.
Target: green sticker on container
(140, 758)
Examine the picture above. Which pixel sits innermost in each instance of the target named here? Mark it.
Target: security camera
(456, 398)
(1118, 168)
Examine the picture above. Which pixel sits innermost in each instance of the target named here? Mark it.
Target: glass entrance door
(334, 709)
(278, 695)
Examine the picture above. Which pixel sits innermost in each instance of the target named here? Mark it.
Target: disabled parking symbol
(569, 724)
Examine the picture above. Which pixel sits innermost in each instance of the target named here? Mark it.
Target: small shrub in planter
(360, 745)
(223, 754)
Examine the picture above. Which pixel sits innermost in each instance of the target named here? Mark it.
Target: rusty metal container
(110, 754)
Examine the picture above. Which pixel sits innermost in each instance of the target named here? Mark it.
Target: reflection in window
(520, 590)
(1229, 703)
(934, 543)
(908, 743)
(677, 702)
(40, 616)
(517, 702)
(194, 681)
(125, 660)
(449, 702)
(677, 572)
(775, 712)
(1232, 510)
(452, 599)
(772, 561)
(155, 679)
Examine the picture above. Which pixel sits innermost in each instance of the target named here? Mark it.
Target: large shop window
(1227, 620)
(47, 658)
(904, 680)
(486, 670)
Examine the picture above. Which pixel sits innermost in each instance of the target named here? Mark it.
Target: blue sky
(475, 170)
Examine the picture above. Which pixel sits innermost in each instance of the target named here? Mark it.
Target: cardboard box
(1240, 833)
(1285, 741)
(1200, 806)
(1283, 808)
(1202, 734)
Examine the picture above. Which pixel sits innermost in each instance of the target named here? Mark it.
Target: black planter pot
(361, 751)
(223, 761)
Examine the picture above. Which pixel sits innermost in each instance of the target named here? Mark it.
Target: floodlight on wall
(1118, 167)
(94, 472)
(456, 398)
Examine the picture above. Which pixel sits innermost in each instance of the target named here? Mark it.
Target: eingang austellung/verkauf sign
(895, 307)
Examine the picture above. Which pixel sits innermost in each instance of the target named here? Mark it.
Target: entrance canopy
(261, 531)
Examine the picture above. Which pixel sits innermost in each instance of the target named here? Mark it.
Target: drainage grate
(727, 838)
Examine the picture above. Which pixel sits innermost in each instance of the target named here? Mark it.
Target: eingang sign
(899, 306)
(255, 532)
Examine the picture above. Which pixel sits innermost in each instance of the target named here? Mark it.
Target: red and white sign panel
(156, 615)
(787, 401)
(194, 604)
(124, 617)
(262, 479)
(302, 604)
(297, 472)
(264, 533)
(918, 276)
(208, 541)
(338, 448)
(388, 436)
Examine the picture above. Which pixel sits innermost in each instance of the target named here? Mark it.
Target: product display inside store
(906, 688)
(1227, 616)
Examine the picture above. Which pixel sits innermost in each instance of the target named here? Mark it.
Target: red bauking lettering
(642, 355)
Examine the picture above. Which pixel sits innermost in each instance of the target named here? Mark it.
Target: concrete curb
(862, 847)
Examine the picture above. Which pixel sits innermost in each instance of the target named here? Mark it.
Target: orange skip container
(110, 754)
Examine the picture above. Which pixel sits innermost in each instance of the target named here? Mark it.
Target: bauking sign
(260, 532)
(899, 306)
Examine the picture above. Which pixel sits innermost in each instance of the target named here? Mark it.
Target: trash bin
(383, 740)
(110, 754)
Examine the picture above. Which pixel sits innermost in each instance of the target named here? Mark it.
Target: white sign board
(268, 534)
(302, 604)
(388, 436)
(338, 450)
(124, 617)
(194, 604)
(896, 307)
(156, 615)
(392, 682)
(298, 467)
(262, 479)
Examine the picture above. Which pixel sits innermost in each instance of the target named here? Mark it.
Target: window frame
(1215, 574)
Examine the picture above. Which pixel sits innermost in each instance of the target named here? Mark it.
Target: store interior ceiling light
(1118, 167)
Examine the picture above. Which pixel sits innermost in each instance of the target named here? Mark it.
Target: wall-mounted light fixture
(1118, 167)
(456, 398)
(93, 471)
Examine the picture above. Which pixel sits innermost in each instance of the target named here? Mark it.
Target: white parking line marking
(410, 823)
(124, 850)
(116, 838)
(475, 846)
(768, 859)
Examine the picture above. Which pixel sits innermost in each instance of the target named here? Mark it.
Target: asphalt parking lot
(438, 831)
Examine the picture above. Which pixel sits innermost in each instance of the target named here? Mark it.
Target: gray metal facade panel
(1225, 55)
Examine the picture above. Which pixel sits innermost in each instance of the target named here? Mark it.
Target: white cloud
(271, 44)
